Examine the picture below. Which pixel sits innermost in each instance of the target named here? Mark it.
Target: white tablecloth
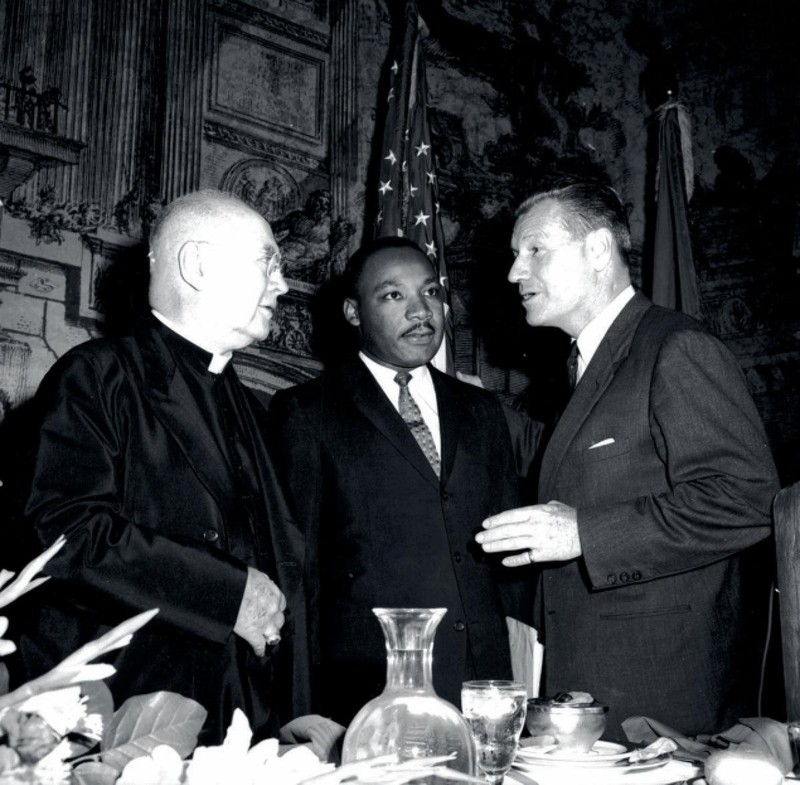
(675, 770)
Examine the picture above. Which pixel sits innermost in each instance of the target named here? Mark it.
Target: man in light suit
(151, 462)
(655, 480)
(389, 522)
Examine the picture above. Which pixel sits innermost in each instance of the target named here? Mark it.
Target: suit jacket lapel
(371, 401)
(449, 421)
(610, 354)
(176, 409)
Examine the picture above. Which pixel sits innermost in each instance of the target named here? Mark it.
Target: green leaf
(145, 721)
(98, 700)
(94, 774)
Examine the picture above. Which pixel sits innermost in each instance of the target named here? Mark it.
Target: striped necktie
(412, 417)
(572, 365)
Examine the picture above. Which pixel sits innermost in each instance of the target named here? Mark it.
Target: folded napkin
(527, 655)
(761, 733)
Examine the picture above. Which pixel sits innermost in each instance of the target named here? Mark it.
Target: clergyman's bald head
(215, 270)
(202, 216)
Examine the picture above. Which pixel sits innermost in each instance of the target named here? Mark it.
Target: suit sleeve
(720, 476)
(293, 432)
(111, 563)
(525, 433)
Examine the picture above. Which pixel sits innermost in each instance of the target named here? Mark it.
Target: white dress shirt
(592, 335)
(420, 387)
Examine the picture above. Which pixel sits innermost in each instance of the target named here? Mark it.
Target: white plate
(603, 753)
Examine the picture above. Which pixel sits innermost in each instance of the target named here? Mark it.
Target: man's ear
(190, 265)
(351, 312)
(600, 247)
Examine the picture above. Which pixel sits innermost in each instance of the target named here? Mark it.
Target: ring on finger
(272, 638)
(530, 556)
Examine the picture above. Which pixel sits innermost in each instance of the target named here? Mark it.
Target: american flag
(408, 200)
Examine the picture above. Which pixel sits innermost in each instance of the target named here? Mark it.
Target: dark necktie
(572, 365)
(412, 416)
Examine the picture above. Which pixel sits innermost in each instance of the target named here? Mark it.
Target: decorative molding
(23, 151)
(15, 360)
(48, 219)
(291, 327)
(41, 144)
(267, 186)
(263, 81)
(251, 15)
(240, 140)
(102, 255)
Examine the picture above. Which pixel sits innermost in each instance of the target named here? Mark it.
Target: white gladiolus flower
(163, 766)
(6, 647)
(61, 709)
(233, 761)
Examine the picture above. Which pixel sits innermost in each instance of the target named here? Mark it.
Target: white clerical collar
(592, 335)
(218, 361)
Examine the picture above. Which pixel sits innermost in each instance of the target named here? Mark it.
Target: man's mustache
(422, 326)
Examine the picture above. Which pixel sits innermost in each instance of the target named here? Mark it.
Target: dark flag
(674, 278)
(408, 201)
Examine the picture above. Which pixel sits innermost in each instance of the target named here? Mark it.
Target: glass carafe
(408, 719)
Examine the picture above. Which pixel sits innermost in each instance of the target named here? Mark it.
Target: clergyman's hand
(261, 612)
(546, 532)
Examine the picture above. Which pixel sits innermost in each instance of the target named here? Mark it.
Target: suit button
(457, 557)
(459, 626)
(210, 535)
(624, 577)
(611, 579)
(637, 576)
(351, 575)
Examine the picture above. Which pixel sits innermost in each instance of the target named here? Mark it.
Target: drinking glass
(495, 712)
(793, 729)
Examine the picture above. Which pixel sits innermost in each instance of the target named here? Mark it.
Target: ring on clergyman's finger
(272, 638)
(530, 557)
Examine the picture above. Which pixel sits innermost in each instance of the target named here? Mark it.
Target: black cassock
(156, 471)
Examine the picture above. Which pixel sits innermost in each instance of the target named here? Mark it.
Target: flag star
(430, 249)
(390, 96)
(421, 219)
(400, 233)
(431, 177)
(379, 219)
(406, 135)
(412, 189)
(391, 158)
(405, 166)
(422, 149)
(384, 187)
(395, 67)
(437, 207)
(443, 281)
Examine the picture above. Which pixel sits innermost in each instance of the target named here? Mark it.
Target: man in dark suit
(655, 480)
(390, 520)
(151, 462)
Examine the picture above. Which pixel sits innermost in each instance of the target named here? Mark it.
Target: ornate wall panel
(266, 139)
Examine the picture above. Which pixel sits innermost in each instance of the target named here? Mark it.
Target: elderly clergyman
(150, 462)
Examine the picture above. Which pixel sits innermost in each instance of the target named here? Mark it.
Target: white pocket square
(602, 443)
